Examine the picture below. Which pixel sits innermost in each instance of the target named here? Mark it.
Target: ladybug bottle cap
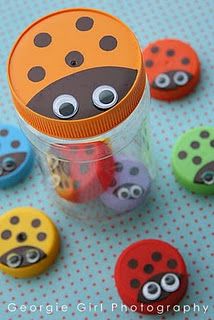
(72, 73)
(151, 273)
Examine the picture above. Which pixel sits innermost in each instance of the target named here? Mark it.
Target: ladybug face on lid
(16, 156)
(129, 187)
(29, 242)
(173, 68)
(74, 65)
(193, 160)
(151, 272)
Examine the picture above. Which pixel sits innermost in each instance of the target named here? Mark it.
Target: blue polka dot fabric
(82, 277)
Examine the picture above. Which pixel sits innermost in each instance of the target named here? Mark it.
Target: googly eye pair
(14, 260)
(125, 193)
(66, 106)
(208, 177)
(169, 283)
(163, 80)
(8, 165)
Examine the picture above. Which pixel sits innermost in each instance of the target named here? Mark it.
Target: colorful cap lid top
(151, 273)
(72, 73)
(173, 68)
(29, 242)
(193, 160)
(16, 156)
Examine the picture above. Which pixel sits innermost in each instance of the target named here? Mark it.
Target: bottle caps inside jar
(76, 73)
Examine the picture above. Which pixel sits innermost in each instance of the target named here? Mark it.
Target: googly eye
(170, 282)
(180, 78)
(14, 260)
(104, 97)
(136, 191)
(9, 164)
(208, 177)
(56, 180)
(151, 291)
(53, 162)
(65, 106)
(123, 193)
(162, 81)
(32, 255)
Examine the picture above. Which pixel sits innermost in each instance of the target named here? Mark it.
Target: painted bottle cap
(193, 160)
(150, 273)
(16, 156)
(173, 68)
(76, 73)
(29, 242)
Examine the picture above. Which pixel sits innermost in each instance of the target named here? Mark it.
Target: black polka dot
(6, 234)
(212, 143)
(74, 59)
(14, 220)
(76, 184)
(133, 263)
(3, 133)
(84, 168)
(84, 23)
(156, 256)
(148, 268)
(89, 150)
(154, 49)
(170, 52)
(108, 43)
(185, 60)
(118, 167)
(15, 144)
(135, 283)
(196, 160)
(36, 223)
(195, 144)
(21, 237)
(149, 63)
(182, 155)
(134, 171)
(172, 264)
(41, 236)
(42, 39)
(36, 74)
(204, 134)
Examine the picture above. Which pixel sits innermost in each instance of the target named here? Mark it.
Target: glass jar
(79, 87)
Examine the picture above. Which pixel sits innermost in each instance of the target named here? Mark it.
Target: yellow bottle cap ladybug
(29, 242)
(76, 73)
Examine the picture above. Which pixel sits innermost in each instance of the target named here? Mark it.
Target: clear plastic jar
(88, 120)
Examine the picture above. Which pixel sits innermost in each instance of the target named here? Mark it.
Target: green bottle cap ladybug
(193, 160)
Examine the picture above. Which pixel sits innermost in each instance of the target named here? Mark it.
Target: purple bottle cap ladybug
(130, 185)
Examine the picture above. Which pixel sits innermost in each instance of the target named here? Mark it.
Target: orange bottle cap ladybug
(76, 73)
(173, 68)
(150, 273)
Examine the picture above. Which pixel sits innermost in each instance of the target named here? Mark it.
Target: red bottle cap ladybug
(81, 172)
(151, 273)
(173, 69)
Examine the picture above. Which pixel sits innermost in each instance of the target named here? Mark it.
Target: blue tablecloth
(84, 270)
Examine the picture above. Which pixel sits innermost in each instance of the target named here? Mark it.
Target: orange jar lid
(76, 73)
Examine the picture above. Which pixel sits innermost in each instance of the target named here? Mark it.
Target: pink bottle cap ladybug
(151, 273)
(129, 186)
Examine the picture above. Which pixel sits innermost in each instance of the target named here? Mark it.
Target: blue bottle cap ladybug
(16, 156)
